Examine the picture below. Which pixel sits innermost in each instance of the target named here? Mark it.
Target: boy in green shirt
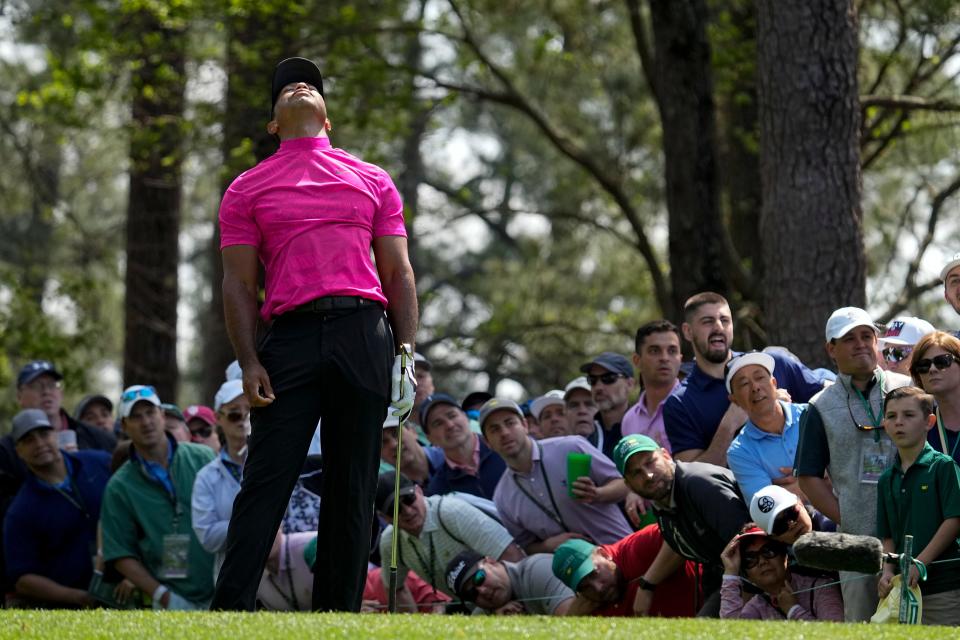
(920, 496)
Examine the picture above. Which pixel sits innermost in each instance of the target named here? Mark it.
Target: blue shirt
(755, 456)
(49, 534)
(447, 479)
(155, 470)
(693, 413)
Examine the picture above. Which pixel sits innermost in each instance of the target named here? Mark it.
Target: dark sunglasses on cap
(942, 361)
(896, 354)
(752, 558)
(469, 589)
(606, 378)
(785, 520)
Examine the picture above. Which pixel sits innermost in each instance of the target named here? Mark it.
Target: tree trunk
(256, 41)
(153, 209)
(684, 82)
(810, 169)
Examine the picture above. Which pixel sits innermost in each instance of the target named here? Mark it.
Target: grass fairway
(271, 626)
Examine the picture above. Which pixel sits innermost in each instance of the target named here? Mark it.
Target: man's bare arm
(240, 270)
(399, 286)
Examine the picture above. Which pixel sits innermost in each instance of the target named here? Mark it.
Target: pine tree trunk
(810, 169)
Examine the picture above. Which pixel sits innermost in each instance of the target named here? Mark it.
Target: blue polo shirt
(52, 535)
(693, 413)
(755, 456)
(447, 479)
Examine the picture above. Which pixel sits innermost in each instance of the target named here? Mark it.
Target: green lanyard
(866, 406)
(943, 436)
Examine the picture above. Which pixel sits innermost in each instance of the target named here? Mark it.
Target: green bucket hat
(629, 445)
(573, 561)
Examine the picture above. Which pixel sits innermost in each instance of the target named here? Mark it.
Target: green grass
(273, 626)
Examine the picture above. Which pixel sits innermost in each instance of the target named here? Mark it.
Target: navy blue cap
(33, 370)
(611, 362)
(475, 399)
(433, 400)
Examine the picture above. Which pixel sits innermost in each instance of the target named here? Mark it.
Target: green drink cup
(578, 465)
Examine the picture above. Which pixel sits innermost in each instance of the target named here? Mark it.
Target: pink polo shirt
(312, 212)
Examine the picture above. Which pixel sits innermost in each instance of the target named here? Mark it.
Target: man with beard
(610, 376)
(608, 579)
(699, 419)
(698, 507)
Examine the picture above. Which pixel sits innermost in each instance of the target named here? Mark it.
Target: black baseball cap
(294, 70)
(385, 485)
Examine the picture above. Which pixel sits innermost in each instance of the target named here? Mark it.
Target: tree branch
(908, 103)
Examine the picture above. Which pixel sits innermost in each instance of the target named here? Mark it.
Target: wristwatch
(646, 585)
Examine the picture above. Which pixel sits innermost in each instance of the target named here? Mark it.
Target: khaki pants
(860, 596)
(941, 608)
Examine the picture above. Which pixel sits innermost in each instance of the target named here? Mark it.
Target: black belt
(333, 303)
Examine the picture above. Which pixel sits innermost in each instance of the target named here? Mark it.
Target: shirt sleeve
(828, 603)
(21, 551)
(720, 504)
(682, 433)
(513, 526)
(388, 219)
(237, 224)
(883, 488)
(119, 525)
(731, 598)
(478, 531)
(813, 451)
(210, 530)
(795, 377)
(749, 471)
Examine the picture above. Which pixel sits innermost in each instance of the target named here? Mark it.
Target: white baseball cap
(228, 391)
(906, 331)
(577, 383)
(952, 264)
(846, 318)
(233, 371)
(736, 363)
(768, 503)
(554, 396)
(134, 394)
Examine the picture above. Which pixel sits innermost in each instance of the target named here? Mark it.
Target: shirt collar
(308, 143)
(757, 433)
(171, 449)
(641, 406)
(923, 460)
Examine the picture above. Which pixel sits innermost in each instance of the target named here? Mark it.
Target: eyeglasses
(42, 386)
(203, 432)
(896, 354)
(785, 520)
(236, 416)
(470, 588)
(942, 361)
(752, 558)
(606, 378)
(142, 392)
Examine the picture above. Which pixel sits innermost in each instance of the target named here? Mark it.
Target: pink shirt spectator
(638, 420)
(312, 212)
(473, 468)
(824, 603)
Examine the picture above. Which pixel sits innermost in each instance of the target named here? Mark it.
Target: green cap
(573, 561)
(629, 445)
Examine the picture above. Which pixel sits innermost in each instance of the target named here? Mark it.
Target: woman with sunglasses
(935, 367)
(753, 561)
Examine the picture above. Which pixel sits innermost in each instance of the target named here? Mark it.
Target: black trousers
(334, 366)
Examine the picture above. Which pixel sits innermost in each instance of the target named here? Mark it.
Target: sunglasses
(896, 354)
(606, 378)
(752, 558)
(785, 520)
(861, 427)
(236, 416)
(942, 361)
(470, 588)
(203, 432)
(133, 394)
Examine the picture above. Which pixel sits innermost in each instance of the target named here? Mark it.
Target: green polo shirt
(138, 512)
(916, 503)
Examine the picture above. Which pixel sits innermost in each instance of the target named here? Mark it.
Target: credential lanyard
(943, 436)
(874, 422)
(553, 515)
(433, 559)
(73, 497)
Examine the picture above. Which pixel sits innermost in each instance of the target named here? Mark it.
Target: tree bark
(811, 216)
(684, 84)
(153, 209)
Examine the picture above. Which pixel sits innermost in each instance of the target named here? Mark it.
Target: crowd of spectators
(646, 486)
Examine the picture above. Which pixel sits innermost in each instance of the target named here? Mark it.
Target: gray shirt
(535, 586)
